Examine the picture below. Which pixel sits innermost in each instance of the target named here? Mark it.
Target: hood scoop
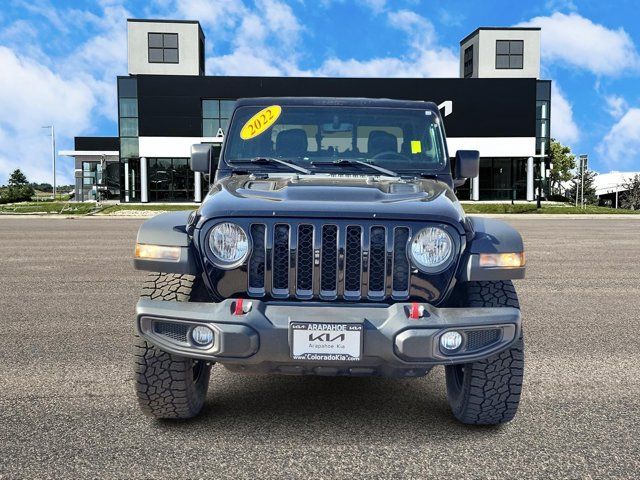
(261, 185)
(334, 191)
(403, 188)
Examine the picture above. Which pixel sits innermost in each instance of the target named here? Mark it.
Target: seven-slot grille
(312, 260)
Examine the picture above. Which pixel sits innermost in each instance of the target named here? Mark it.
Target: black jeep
(331, 243)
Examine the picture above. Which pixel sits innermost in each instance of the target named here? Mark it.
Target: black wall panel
(109, 144)
(171, 105)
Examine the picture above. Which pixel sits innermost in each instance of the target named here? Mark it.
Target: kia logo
(326, 337)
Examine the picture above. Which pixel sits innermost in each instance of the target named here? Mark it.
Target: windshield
(325, 138)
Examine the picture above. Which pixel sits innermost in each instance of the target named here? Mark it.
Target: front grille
(477, 339)
(317, 260)
(281, 260)
(175, 331)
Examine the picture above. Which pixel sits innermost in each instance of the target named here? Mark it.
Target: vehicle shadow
(332, 409)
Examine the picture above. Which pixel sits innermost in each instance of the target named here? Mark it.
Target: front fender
(168, 229)
(491, 236)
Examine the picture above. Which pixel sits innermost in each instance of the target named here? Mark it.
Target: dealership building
(498, 105)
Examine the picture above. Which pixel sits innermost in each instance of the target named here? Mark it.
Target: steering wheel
(387, 153)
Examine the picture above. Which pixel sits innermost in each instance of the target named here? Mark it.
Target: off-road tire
(169, 386)
(487, 392)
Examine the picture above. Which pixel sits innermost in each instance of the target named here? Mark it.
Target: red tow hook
(416, 310)
(239, 310)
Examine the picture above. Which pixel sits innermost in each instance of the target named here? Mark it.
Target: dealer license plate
(326, 341)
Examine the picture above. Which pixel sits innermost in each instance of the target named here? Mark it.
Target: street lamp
(53, 155)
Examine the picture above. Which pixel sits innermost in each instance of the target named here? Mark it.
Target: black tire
(169, 386)
(487, 392)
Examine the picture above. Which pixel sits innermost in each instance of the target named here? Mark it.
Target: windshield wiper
(346, 162)
(269, 160)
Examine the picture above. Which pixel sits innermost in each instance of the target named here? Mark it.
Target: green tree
(631, 197)
(18, 189)
(17, 179)
(590, 197)
(563, 162)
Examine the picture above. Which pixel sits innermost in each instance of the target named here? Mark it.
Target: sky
(59, 60)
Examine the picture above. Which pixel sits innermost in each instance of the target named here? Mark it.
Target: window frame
(509, 55)
(221, 121)
(163, 49)
(467, 62)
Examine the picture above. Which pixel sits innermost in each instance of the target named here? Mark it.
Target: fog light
(451, 341)
(203, 336)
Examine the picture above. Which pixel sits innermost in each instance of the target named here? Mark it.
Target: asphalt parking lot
(67, 409)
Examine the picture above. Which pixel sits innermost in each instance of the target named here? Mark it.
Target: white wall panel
(152, 147)
(494, 146)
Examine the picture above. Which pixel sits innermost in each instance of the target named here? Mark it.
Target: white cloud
(264, 40)
(620, 147)
(32, 96)
(616, 105)
(104, 56)
(72, 92)
(563, 127)
(275, 28)
(426, 57)
(576, 41)
(375, 5)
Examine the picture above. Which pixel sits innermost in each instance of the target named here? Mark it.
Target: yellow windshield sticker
(416, 146)
(260, 122)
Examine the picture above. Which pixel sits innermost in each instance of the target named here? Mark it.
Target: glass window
(541, 146)
(128, 127)
(163, 47)
(502, 61)
(516, 47)
(400, 139)
(155, 55)
(502, 47)
(170, 55)
(210, 127)
(128, 107)
(170, 40)
(155, 40)
(128, 147)
(509, 54)
(542, 109)
(210, 109)
(543, 90)
(468, 61)
(541, 128)
(226, 108)
(216, 115)
(127, 87)
(170, 179)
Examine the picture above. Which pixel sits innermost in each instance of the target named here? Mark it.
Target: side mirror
(467, 165)
(202, 159)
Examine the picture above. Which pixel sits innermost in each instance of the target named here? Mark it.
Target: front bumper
(259, 339)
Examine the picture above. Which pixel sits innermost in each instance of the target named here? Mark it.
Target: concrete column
(530, 193)
(144, 181)
(126, 180)
(475, 188)
(197, 191)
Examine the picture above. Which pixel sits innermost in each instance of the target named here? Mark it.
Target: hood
(332, 196)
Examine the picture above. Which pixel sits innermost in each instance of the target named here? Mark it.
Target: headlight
(431, 248)
(229, 244)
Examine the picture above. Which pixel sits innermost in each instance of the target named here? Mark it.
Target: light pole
(53, 155)
(583, 167)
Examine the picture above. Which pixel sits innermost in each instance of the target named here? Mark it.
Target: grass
(147, 207)
(48, 197)
(549, 209)
(66, 208)
(73, 208)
